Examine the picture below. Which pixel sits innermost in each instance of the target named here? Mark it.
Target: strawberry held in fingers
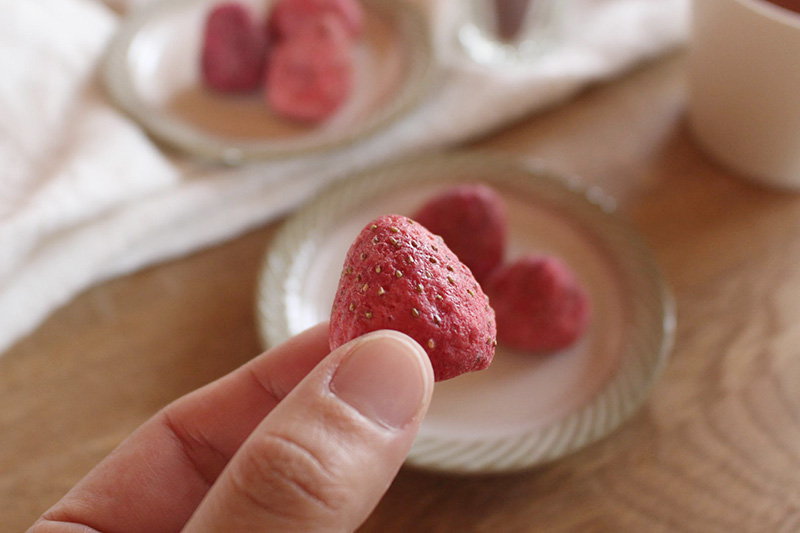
(398, 275)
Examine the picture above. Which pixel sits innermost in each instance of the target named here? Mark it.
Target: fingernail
(384, 378)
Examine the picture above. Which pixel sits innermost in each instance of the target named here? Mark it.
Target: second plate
(152, 72)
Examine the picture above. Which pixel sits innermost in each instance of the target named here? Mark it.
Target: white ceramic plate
(525, 409)
(152, 72)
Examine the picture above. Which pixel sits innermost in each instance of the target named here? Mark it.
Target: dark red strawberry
(234, 49)
(472, 221)
(288, 17)
(397, 275)
(540, 304)
(310, 75)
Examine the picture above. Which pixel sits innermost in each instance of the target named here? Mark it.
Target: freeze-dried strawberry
(288, 17)
(540, 304)
(234, 49)
(397, 275)
(310, 75)
(472, 221)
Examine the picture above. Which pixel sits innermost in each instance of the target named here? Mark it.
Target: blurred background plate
(525, 409)
(152, 72)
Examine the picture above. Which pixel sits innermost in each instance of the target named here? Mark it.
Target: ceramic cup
(744, 84)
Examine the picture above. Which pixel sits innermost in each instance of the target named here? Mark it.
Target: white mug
(744, 88)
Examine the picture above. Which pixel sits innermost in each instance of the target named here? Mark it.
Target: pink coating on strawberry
(472, 221)
(288, 17)
(539, 302)
(397, 275)
(234, 52)
(310, 75)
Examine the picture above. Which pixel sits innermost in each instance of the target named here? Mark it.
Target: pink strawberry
(539, 302)
(288, 17)
(310, 75)
(397, 275)
(234, 49)
(472, 221)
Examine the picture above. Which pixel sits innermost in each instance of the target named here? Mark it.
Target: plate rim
(614, 403)
(181, 136)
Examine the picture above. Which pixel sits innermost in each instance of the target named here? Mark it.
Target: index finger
(156, 478)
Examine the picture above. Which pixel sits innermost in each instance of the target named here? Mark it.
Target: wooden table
(716, 448)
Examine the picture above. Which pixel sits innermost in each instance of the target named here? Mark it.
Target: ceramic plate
(525, 409)
(152, 72)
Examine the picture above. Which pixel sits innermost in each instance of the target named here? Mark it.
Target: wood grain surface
(715, 449)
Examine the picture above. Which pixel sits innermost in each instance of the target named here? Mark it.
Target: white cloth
(85, 195)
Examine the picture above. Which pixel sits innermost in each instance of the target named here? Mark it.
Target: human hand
(298, 439)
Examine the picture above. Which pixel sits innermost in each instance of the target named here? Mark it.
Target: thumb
(322, 459)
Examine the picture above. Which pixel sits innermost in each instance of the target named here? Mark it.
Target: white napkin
(85, 195)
